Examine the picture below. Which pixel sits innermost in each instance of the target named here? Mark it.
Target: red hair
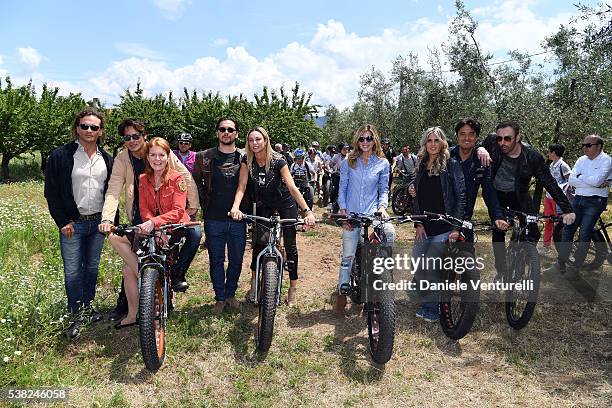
(159, 142)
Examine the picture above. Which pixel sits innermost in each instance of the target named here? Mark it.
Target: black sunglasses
(133, 136)
(506, 138)
(184, 142)
(590, 144)
(94, 128)
(228, 130)
(365, 139)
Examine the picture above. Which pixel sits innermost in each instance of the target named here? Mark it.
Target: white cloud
(329, 63)
(219, 42)
(1, 59)
(138, 50)
(172, 9)
(29, 57)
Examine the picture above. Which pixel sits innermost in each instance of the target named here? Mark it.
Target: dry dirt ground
(318, 358)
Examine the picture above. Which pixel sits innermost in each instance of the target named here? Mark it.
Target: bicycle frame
(271, 251)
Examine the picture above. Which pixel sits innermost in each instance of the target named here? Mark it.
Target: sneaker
(427, 315)
(250, 296)
(345, 289)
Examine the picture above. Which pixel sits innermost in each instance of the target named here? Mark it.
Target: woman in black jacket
(439, 187)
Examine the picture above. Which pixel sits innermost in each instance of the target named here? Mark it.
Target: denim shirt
(364, 189)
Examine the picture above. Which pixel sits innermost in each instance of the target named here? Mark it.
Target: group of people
(84, 185)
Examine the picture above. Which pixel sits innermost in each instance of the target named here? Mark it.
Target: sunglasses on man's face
(587, 145)
(365, 139)
(133, 136)
(184, 143)
(224, 129)
(94, 128)
(504, 138)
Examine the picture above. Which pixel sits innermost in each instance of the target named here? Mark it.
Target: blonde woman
(267, 174)
(364, 188)
(439, 187)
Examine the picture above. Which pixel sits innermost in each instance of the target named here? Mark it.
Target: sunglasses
(228, 130)
(184, 143)
(134, 136)
(505, 138)
(587, 145)
(365, 139)
(94, 128)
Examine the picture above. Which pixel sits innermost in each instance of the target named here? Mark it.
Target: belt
(90, 217)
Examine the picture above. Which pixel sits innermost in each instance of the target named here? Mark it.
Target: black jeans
(509, 200)
(288, 237)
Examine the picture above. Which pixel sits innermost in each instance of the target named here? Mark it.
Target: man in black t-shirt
(216, 172)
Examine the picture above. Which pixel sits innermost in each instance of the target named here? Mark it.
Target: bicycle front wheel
(459, 308)
(381, 323)
(521, 300)
(268, 287)
(152, 320)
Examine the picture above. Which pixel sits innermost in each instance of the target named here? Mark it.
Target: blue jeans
(188, 251)
(587, 210)
(431, 247)
(81, 257)
(220, 234)
(350, 239)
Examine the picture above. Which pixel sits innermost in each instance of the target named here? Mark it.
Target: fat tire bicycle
(157, 254)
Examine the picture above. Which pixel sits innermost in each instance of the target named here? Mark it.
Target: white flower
(6, 359)
(17, 352)
(2, 320)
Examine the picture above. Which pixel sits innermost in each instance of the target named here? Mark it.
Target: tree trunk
(5, 166)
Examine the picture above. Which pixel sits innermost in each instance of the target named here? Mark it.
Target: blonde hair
(159, 142)
(376, 149)
(439, 163)
(268, 149)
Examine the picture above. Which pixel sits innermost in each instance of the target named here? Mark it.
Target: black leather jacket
(531, 164)
(453, 188)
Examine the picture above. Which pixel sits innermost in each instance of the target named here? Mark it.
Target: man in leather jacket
(514, 163)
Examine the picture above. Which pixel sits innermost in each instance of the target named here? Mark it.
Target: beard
(231, 142)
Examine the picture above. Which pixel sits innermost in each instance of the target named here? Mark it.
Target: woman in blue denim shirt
(364, 189)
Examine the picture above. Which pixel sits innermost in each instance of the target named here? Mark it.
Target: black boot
(122, 306)
(179, 284)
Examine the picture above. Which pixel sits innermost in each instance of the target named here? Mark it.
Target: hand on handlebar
(453, 236)
(310, 219)
(236, 214)
(146, 227)
(383, 212)
(419, 234)
(106, 227)
(346, 225)
(568, 219)
(502, 225)
(412, 190)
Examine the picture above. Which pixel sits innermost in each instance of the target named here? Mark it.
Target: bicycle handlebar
(122, 229)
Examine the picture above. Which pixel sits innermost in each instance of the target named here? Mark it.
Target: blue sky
(233, 46)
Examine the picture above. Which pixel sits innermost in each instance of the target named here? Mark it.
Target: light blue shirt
(364, 189)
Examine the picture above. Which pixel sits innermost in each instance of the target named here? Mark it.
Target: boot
(179, 284)
(291, 297)
(340, 303)
(250, 296)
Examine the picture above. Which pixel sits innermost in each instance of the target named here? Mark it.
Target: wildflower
(6, 359)
(17, 352)
(2, 320)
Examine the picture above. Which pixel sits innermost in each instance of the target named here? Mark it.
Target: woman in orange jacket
(162, 196)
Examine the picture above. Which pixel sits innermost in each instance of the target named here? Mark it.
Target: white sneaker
(545, 252)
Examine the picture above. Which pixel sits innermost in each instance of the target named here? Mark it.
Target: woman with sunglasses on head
(162, 196)
(364, 188)
(439, 188)
(267, 175)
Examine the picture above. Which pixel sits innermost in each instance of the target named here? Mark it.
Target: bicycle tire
(152, 321)
(267, 305)
(526, 260)
(597, 253)
(381, 324)
(401, 201)
(458, 311)
(309, 197)
(325, 187)
(355, 277)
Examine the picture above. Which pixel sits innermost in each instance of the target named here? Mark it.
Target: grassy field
(318, 358)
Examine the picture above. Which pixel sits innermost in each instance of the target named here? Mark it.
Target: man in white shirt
(591, 176)
(406, 161)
